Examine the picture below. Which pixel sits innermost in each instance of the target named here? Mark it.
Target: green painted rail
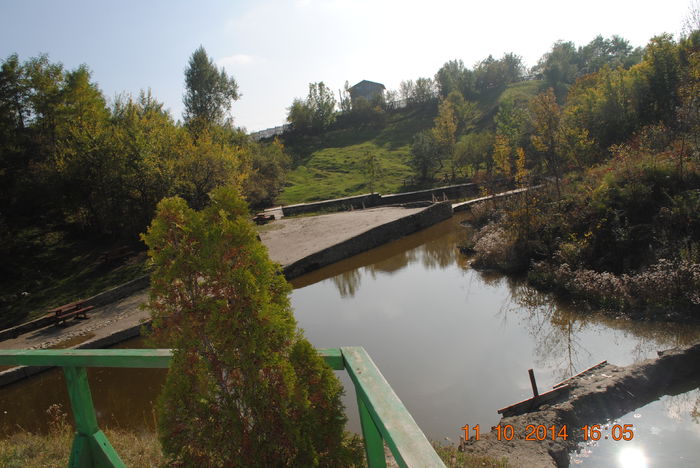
(383, 417)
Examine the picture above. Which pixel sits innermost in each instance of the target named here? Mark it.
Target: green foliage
(421, 92)
(239, 361)
(453, 76)
(494, 75)
(209, 92)
(269, 166)
(316, 113)
(365, 113)
(474, 151)
(564, 64)
(444, 137)
(425, 155)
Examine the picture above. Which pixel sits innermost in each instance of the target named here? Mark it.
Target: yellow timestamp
(540, 432)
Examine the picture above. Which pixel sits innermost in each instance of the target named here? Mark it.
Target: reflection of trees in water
(556, 327)
(436, 253)
(347, 282)
(681, 406)
(394, 263)
(557, 344)
(439, 253)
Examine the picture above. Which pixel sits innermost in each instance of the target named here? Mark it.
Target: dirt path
(291, 239)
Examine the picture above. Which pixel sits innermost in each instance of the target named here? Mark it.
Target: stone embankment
(605, 393)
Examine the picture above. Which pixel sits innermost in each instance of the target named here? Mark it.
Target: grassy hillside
(333, 166)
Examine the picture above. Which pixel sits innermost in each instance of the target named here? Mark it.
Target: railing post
(374, 444)
(91, 449)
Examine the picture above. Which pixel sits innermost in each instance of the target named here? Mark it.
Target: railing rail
(383, 416)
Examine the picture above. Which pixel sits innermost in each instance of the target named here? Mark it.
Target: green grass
(43, 269)
(333, 167)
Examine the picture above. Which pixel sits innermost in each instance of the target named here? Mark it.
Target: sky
(275, 48)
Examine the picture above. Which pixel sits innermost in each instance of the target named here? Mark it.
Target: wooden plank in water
(532, 403)
(600, 364)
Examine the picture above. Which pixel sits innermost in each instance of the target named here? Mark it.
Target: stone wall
(337, 204)
(368, 200)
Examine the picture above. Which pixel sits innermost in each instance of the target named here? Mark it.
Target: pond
(454, 343)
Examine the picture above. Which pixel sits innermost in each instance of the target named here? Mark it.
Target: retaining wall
(368, 200)
(438, 193)
(370, 239)
(358, 201)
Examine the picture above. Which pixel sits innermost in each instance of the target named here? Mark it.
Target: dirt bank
(605, 393)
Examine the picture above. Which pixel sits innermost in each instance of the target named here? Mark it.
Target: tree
(424, 155)
(466, 112)
(425, 91)
(445, 134)
(322, 103)
(205, 164)
(269, 164)
(314, 114)
(559, 67)
(244, 388)
(474, 149)
(452, 76)
(209, 92)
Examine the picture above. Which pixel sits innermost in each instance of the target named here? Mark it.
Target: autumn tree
(545, 118)
(444, 134)
(209, 92)
(244, 388)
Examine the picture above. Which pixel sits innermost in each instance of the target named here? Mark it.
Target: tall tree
(445, 134)
(209, 92)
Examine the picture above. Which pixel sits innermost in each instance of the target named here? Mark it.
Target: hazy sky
(274, 48)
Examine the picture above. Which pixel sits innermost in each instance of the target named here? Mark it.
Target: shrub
(244, 387)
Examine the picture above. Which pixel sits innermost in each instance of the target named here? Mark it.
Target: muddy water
(454, 343)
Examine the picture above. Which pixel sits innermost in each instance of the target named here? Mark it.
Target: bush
(244, 387)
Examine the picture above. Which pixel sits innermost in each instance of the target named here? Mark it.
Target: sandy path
(291, 239)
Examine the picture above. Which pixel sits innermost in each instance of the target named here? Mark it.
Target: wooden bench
(74, 309)
(262, 218)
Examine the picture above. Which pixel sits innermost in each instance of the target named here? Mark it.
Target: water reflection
(666, 433)
(434, 248)
(456, 343)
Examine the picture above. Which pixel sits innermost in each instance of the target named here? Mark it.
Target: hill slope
(333, 163)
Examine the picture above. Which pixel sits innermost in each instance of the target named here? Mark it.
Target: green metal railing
(383, 416)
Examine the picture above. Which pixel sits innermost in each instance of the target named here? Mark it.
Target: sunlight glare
(632, 457)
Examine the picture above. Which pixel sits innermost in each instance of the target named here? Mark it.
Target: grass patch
(453, 458)
(28, 450)
(335, 169)
(48, 268)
